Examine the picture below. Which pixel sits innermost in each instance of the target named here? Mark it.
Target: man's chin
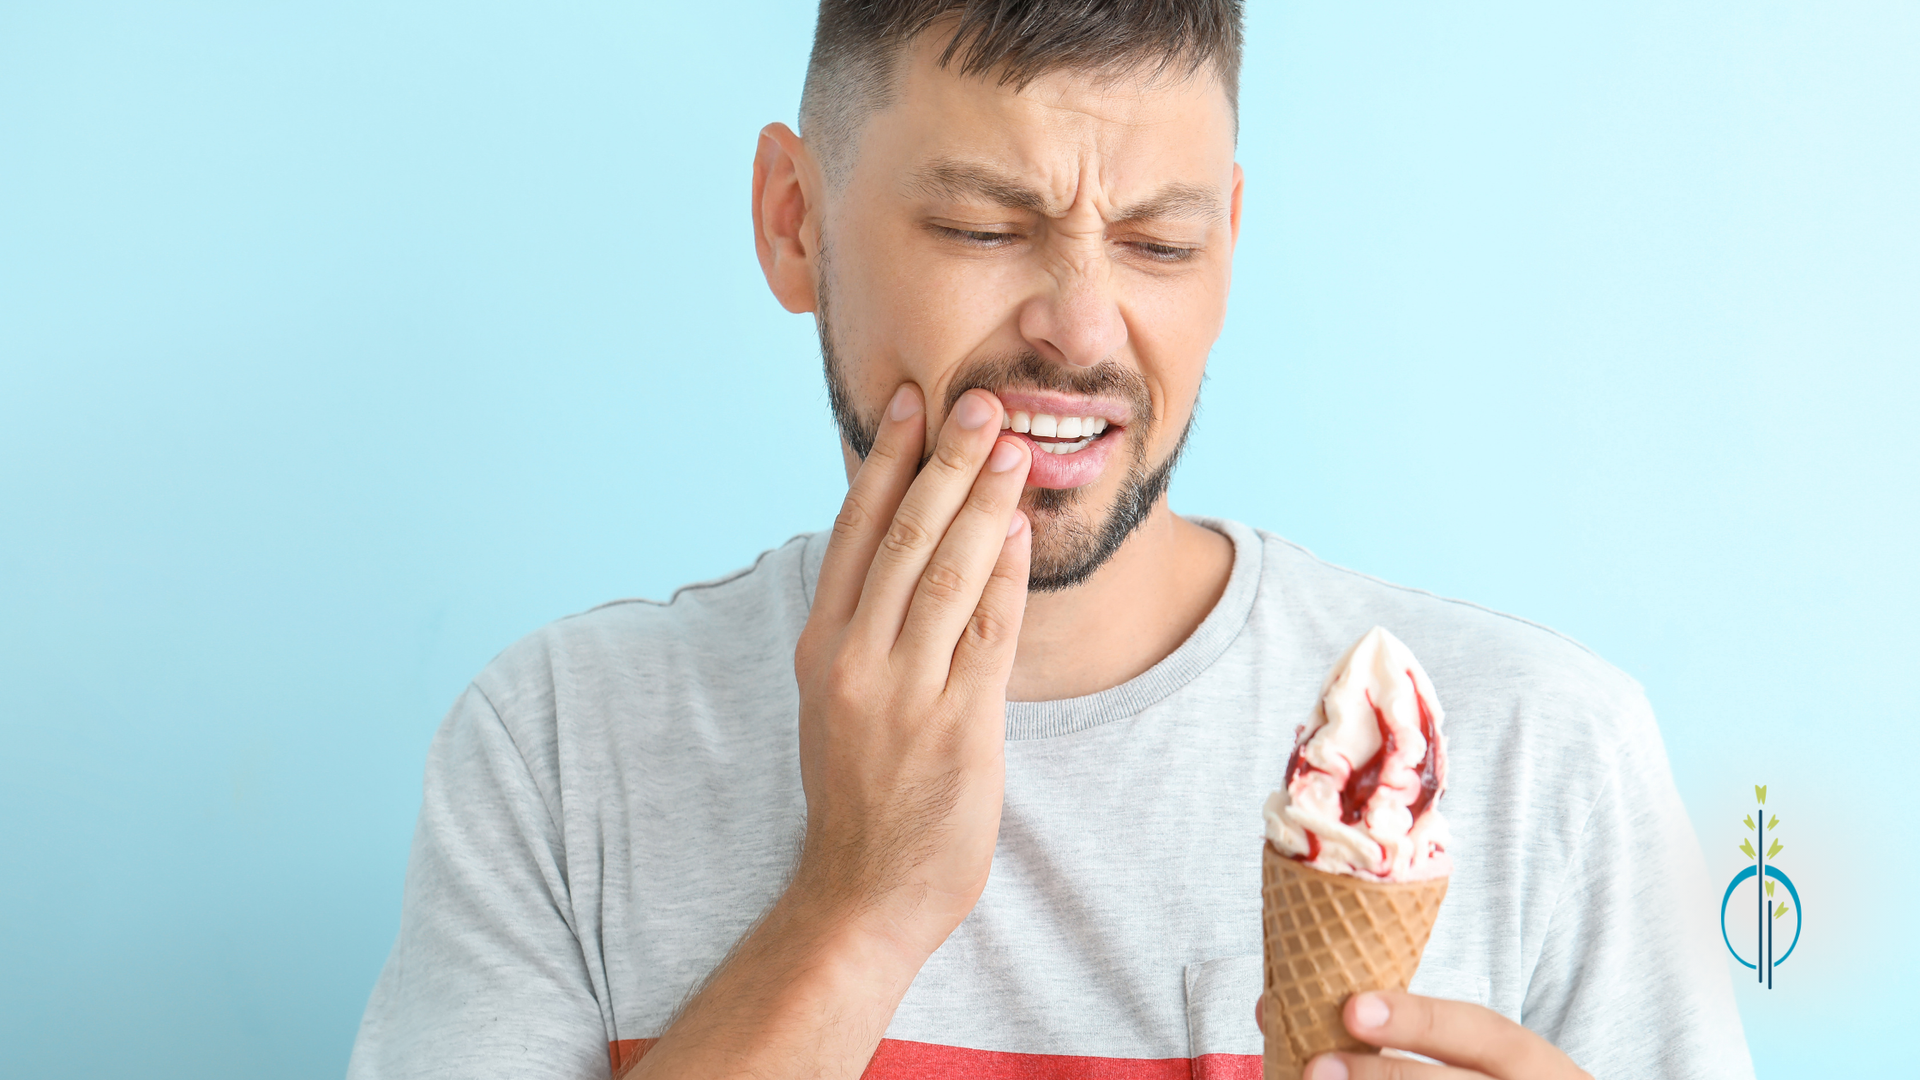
(1067, 541)
(1076, 530)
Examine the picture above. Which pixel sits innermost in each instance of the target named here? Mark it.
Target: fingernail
(1019, 522)
(905, 403)
(1005, 455)
(1370, 1011)
(1328, 1068)
(973, 411)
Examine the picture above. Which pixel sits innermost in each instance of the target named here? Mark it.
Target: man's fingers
(1456, 1032)
(984, 655)
(950, 589)
(872, 498)
(1380, 1067)
(1356, 1066)
(920, 522)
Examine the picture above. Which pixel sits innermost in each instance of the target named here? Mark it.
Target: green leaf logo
(1749, 821)
(1775, 823)
(1760, 792)
(1769, 887)
(1781, 910)
(1746, 848)
(1773, 849)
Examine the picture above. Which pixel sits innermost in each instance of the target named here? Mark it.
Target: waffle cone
(1328, 937)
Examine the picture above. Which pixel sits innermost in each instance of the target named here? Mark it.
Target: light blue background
(341, 344)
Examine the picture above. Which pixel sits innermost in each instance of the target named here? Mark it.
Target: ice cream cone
(1328, 937)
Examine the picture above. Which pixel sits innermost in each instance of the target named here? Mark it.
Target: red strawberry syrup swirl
(1364, 782)
(1430, 764)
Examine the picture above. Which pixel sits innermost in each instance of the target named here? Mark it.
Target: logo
(1768, 908)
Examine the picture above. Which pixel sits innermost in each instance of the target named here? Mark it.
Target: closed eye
(978, 237)
(1164, 252)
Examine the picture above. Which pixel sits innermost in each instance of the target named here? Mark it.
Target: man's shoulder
(1473, 653)
(726, 630)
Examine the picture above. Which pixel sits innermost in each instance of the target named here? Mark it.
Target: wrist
(815, 988)
(849, 940)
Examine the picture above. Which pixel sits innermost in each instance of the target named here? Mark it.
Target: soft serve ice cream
(1366, 772)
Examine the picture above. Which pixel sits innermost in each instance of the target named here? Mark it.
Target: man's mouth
(1055, 434)
(1072, 436)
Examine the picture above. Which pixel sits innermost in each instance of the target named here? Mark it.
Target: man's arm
(1632, 978)
(902, 670)
(486, 929)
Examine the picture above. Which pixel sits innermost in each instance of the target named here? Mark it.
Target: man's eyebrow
(952, 179)
(1176, 201)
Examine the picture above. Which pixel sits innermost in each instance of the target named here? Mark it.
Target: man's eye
(979, 237)
(1164, 252)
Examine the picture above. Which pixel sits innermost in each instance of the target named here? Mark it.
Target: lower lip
(1069, 470)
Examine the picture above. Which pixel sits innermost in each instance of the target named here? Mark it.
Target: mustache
(1030, 371)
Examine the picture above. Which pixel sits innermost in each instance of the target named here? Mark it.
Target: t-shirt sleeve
(1631, 982)
(487, 978)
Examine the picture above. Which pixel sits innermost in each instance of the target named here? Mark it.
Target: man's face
(1068, 248)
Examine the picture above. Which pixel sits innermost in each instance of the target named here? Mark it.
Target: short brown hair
(856, 42)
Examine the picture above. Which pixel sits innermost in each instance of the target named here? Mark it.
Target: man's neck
(1136, 610)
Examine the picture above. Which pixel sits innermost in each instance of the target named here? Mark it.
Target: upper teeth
(1060, 427)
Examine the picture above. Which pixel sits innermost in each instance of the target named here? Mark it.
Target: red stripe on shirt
(899, 1059)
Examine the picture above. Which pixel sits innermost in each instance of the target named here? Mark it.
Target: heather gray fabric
(617, 796)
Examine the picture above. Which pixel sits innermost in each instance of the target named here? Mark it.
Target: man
(973, 783)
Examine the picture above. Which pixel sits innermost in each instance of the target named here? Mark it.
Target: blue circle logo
(1774, 873)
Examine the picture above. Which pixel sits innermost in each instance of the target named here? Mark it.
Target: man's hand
(902, 670)
(1475, 1042)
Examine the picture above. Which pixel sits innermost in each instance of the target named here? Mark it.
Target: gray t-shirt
(617, 797)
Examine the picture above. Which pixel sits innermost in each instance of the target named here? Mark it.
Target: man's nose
(1077, 320)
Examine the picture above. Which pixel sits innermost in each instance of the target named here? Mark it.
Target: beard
(1071, 538)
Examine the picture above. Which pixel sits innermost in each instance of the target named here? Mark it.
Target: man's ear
(786, 216)
(1239, 185)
